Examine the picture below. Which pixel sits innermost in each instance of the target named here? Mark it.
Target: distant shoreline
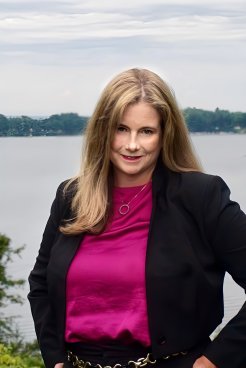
(80, 135)
(71, 124)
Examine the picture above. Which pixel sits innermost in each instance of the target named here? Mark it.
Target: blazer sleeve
(52, 350)
(225, 225)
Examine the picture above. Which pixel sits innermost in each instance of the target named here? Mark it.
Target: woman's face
(136, 145)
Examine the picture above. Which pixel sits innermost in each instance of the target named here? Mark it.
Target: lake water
(32, 168)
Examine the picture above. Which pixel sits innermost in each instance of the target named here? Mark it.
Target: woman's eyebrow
(122, 124)
(142, 127)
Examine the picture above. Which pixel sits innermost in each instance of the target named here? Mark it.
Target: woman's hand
(203, 362)
(59, 365)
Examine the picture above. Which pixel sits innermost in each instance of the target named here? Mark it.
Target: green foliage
(7, 287)
(4, 125)
(7, 359)
(20, 357)
(14, 353)
(6, 281)
(197, 120)
(24, 126)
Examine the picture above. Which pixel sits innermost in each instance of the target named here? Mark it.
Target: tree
(14, 352)
(7, 286)
(239, 120)
(4, 125)
(27, 356)
(223, 120)
(8, 360)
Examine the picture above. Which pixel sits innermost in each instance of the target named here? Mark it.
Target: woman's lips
(131, 158)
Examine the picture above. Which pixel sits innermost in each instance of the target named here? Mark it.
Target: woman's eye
(121, 128)
(147, 131)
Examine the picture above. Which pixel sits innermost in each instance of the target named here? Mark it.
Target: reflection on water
(32, 168)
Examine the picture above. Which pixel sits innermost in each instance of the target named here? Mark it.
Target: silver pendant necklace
(125, 207)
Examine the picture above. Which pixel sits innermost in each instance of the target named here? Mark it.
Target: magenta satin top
(105, 295)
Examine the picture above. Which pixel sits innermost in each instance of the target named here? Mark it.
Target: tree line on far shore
(197, 120)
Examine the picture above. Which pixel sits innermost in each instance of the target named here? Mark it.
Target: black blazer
(196, 234)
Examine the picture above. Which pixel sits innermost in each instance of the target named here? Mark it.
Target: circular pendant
(124, 209)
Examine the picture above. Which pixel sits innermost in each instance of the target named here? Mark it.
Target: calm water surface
(32, 168)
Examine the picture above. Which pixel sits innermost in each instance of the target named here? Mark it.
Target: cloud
(186, 41)
(32, 28)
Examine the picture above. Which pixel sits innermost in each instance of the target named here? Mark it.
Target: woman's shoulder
(197, 186)
(67, 187)
(188, 179)
(197, 178)
(65, 193)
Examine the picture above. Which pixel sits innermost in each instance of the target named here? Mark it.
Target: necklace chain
(125, 207)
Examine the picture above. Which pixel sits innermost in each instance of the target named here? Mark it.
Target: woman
(131, 266)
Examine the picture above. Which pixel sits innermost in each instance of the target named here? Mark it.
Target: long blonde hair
(92, 202)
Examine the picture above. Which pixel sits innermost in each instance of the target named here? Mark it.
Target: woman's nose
(132, 145)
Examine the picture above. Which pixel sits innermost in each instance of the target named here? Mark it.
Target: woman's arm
(43, 315)
(225, 226)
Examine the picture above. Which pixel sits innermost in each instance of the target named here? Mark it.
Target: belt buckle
(76, 362)
(142, 362)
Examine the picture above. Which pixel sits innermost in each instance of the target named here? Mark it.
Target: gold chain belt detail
(141, 362)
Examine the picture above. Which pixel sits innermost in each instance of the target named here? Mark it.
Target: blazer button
(163, 341)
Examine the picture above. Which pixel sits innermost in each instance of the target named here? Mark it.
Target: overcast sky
(56, 56)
